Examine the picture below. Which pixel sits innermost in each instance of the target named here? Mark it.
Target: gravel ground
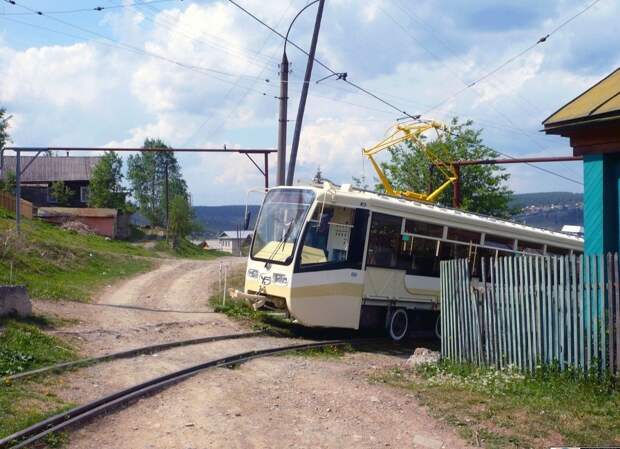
(278, 402)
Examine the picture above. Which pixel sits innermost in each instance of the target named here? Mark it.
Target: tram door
(400, 266)
(328, 282)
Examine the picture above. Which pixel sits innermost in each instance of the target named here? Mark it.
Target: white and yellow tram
(341, 257)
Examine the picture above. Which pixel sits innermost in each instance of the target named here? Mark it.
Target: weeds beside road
(505, 409)
(55, 263)
(24, 346)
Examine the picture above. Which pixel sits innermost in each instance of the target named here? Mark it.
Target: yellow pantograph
(412, 132)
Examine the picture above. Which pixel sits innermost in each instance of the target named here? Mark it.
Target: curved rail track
(129, 353)
(105, 404)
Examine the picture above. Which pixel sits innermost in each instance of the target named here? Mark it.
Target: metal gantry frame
(456, 191)
(38, 150)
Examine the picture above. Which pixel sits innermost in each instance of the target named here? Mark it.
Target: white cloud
(89, 94)
(57, 75)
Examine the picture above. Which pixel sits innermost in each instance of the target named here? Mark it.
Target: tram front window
(334, 238)
(279, 224)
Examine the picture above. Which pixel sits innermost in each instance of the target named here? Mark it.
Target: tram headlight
(252, 273)
(279, 278)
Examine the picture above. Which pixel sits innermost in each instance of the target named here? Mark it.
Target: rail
(36, 432)
(125, 354)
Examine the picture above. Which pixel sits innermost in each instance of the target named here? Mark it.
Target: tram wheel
(398, 324)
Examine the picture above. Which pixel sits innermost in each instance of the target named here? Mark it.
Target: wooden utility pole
(167, 193)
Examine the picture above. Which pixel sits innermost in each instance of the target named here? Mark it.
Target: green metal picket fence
(533, 310)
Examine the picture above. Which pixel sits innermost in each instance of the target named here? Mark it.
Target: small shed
(592, 122)
(100, 221)
(233, 241)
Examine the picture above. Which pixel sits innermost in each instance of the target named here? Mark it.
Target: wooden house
(39, 174)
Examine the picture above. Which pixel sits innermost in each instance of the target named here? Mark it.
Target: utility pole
(304, 94)
(167, 203)
(18, 191)
(282, 121)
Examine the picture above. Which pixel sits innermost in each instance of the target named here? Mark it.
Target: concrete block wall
(14, 300)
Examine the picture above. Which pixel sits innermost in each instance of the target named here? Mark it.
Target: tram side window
(422, 228)
(530, 247)
(334, 237)
(499, 242)
(384, 241)
(449, 250)
(420, 256)
(555, 251)
(463, 235)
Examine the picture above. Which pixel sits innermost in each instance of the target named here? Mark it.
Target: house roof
(54, 168)
(600, 102)
(234, 234)
(76, 212)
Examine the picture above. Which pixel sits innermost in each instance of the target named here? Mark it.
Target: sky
(201, 73)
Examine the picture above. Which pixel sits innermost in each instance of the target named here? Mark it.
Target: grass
(505, 409)
(276, 324)
(55, 263)
(328, 352)
(24, 346)
(188, 250)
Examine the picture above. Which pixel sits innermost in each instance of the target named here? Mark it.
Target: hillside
(58, 264)
(546, 199)
(216, 219)
(550, 210)
(55, 263)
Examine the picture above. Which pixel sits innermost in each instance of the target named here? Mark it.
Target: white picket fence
(533, 310)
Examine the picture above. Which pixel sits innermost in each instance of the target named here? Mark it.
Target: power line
(208, 40)
(468, 85)
(199, 69)
(329, 69)
(435, 33)
(541, 168)
(511, 59)
(78, 10)
(333, 72)
(214, 130)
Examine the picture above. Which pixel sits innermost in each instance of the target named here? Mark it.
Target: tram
(335, 256)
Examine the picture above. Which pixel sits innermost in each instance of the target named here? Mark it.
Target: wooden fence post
(575, 312)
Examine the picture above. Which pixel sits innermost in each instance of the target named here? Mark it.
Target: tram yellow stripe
(336, 289)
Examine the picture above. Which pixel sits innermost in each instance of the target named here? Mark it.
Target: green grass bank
(55, 263)
(506, 409)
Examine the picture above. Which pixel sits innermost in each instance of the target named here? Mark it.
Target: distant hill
(549, 210)
(216, 219)
(546, 199)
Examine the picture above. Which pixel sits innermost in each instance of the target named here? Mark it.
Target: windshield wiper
(285, 237)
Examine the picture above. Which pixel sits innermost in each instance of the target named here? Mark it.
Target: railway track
(129, 353)
(88, 411)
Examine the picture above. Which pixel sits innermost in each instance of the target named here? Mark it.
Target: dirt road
(168, 303)
(279, 402)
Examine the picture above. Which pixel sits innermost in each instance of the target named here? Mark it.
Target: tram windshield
(279, 224)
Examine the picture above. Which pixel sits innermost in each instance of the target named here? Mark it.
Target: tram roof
(442, 214)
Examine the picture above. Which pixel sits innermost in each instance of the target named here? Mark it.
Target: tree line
(156, 186)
